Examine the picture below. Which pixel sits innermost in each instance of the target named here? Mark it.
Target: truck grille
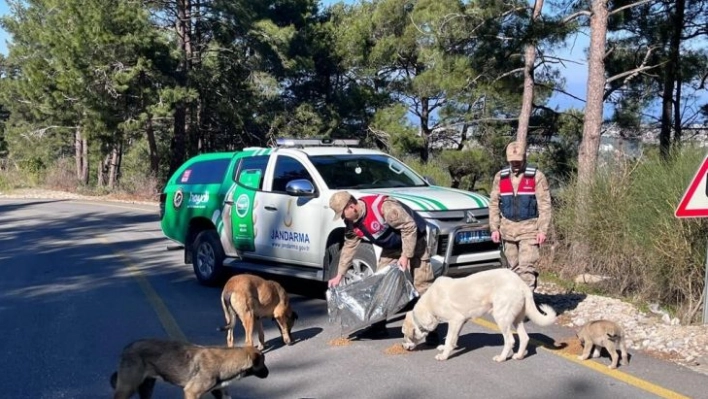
(442, 244)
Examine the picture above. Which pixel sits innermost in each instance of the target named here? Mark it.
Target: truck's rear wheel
(208, 258)
(363, 264)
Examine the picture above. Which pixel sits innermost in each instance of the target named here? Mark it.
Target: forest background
(111, 96)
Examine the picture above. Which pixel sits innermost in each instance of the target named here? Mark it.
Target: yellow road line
(600, 368)
(158, 305)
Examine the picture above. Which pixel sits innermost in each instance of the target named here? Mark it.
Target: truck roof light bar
(316, 142)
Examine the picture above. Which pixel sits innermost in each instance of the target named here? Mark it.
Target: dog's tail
(229, 313)
(546, 318)
(114, 379)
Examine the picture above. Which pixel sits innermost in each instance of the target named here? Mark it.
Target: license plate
(470, 237)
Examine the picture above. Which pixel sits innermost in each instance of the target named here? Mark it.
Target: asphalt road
(80, 280)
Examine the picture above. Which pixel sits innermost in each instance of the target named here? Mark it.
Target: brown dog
(603, 334)
(197, 369)
(251, 298)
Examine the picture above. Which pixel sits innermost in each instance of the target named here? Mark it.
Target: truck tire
(363, 264)
(208, 258)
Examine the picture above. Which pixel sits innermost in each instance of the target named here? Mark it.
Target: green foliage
(468, 168)
(633, 235)
(433, 169)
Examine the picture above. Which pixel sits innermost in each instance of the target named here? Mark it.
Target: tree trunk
(527, 96)
(666, 113)
(670, 111)
(102, 170)
(152, 148)
(114, 168)
(84, 161)
(78, 152)
(675, 62)
(424, 129)
(592, 127)
(178, 145)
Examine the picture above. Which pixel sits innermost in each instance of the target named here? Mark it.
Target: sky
(575, 73)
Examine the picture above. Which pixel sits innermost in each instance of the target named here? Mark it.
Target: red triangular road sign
(694, 203)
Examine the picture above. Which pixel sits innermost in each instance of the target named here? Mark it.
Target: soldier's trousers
(522, 257)
(421, 270)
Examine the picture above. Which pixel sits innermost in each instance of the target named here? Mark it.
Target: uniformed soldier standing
(520, 213)
(393, 226)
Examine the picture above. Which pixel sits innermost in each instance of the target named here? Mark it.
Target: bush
(633, 236)
(62, 175)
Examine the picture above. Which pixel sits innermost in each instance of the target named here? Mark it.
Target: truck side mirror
(300, 188)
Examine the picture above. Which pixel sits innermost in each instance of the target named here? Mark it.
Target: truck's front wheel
(208, 258)
(363, 264)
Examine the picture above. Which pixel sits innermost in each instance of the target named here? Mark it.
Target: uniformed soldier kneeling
(391, 225)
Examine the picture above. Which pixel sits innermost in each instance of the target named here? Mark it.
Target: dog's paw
(260, 347)
(519, 356)
(499, 358)
(441, 356)
(581, 357)
(440, 348)
(611, 366)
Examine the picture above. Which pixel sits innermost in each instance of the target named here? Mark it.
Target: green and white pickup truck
(266, 209)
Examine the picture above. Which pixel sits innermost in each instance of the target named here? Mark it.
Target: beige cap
(514, 152)
(338, 202)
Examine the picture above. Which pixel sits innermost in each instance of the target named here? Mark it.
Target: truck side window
(287, 169)
(205, 172)
(250, 172)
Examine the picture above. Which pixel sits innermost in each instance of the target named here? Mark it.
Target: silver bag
(374, 298)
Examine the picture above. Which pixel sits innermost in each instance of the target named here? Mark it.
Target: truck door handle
(270, 208)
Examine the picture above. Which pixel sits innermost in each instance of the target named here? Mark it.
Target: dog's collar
(416, 323)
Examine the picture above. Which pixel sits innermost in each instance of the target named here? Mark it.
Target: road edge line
(613, 373)
(169, 324)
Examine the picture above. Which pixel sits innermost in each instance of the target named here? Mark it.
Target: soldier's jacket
(526, 229)
(396, 217)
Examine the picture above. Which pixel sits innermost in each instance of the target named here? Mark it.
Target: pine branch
(620, 9)
(703, 81)
(631, 74)
(576, 15)
(505, 74)
(560, 91)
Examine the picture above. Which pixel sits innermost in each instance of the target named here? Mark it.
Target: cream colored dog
(603, 334)
(500, 292)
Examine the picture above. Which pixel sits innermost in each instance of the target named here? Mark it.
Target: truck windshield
(362, 171)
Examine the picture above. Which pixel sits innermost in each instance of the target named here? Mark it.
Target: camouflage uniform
(519, 237)
(415, 248)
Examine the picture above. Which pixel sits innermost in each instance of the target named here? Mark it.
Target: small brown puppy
(251, 298)
(197, 369)
(605, 334)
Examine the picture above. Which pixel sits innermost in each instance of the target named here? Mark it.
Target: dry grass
(632, 236)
